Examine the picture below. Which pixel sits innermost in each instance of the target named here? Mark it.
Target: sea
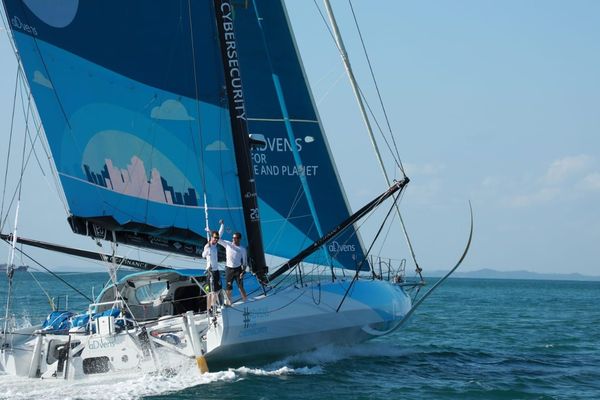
(472, 339)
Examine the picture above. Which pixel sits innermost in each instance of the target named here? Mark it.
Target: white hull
(303, 318)
(286, 321)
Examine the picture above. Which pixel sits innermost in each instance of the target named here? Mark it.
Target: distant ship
(20, 268)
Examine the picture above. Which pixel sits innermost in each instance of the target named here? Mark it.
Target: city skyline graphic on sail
(137, 119)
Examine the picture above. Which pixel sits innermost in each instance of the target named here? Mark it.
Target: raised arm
(222, 241)
(221, 228)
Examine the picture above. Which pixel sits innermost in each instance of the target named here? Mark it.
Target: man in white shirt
(213, 268)
(236, 262)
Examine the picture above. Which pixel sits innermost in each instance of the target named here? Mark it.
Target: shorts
(231, 275)
(216, 281)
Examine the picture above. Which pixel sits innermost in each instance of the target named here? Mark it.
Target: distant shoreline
(488, 273)
(485, 273)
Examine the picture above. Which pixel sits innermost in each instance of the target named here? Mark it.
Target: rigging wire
(27, 112)
(361, 98)
(331, 34)
(376, 85)
(15, 193)
(358, 269)
(50, 272)
(376, 202)
(197, 98)
(50, 299)
(8, 151)
(48, 75)
(21, 73)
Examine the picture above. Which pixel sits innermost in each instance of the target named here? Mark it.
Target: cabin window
(151, 291)
(57, 349)
(96, 365)
(54, 347)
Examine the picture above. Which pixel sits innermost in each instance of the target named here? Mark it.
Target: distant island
(21, 268)
(487, 273)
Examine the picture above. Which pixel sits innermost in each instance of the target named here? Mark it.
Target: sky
(496, 103)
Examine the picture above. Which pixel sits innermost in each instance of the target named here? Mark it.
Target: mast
(342, 49)
(241, 141)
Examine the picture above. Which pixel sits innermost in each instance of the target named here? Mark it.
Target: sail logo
(96, 344)
(18, 24)
(279, 144)
(232, 63)
(336, 247)
(99, 232)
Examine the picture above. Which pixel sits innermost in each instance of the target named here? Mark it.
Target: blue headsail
(131, 96)
(133, 107)
(300, 194)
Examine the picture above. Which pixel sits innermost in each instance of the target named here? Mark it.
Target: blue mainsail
(299, 191)
(135, 112)
(133, 108)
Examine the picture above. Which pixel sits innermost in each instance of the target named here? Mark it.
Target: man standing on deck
(213, 268)
(236, 262)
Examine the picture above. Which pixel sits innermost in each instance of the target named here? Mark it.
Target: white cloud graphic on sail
(40, 79)
(171, 110)
(217, 145)
(56, 13)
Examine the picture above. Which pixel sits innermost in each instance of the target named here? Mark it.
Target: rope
(51, 273)
(273, 310)
(50, 300)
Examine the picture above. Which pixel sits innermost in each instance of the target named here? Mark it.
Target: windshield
(150, 292)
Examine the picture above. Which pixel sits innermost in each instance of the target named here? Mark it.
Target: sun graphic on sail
(135, 169)
(56, 13)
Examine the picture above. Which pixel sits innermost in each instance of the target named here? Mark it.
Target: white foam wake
(134, 386)
(332, 354)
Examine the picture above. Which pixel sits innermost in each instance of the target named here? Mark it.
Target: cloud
(544, 195)
(566, 179)
(171, 110)
(567, 167)
(40, 79)
(423, 169)
(591, 182)
(217, 145)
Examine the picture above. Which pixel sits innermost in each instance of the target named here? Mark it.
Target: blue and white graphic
(140, 136)
(56, 13)
(171, 110)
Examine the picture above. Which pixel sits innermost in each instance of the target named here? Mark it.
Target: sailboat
(164, 118)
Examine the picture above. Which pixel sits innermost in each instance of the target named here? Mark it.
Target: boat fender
(202, 365)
